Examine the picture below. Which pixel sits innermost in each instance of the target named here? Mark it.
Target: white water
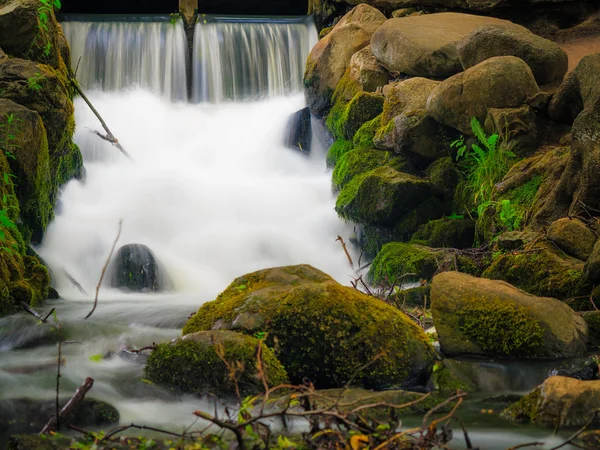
(117, 55)
(239, 59)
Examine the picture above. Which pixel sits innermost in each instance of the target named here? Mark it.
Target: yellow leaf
(357, 441)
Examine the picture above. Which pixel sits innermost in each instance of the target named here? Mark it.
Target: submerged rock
(135, 268)
(192, 363)
(492, 318)
(558, 402)
(299, 131)
(322, 330)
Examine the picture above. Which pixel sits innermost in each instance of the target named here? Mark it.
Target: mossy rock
(397, 259)
(193, 364)
(338, 149)
(453, 233)
(494, 319)
(365, 134)
(323, 330)
(417, 296)
(362, 160)
(541, 270)
(592, 318)
(345, 122)
(447, 379)
(382, 196)
(443, 174)
(557, 403)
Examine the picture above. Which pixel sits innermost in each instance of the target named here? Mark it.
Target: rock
(339, 148)
(492, 318)
(558, 402)
(30, 416)
(329, 59)
(403, 12)
(406, 96)
(136, 269)
(3, 55)
(397, 259)
(453, 233)
(542, 270)
(592, 265)
(299, 131)
(579, 368)
(382, 196)
(515, 240)
(192, 363)
(425, 46)
(346, 119)
(444, 175)
(324, 330)
(415, 135)
(573, 237)
(518, 126)
(592, 318)
(22, 37)
(500, 82)
(547, 60)
(366, 72)
(30, 163)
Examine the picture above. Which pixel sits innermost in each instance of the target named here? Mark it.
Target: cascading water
(113, 55)
(242, 58)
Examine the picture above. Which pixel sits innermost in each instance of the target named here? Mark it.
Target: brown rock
(366, 72)
(573, 237)
(405, 96)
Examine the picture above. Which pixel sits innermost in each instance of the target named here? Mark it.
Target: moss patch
(453, 233)
(192, 364)
(365, 134)
(344, 122)
(397, 259)
(337, 150)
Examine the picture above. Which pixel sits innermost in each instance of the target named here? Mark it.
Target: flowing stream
(212, 191)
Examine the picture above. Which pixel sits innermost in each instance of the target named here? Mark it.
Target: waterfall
(242, 58)
(114, 55)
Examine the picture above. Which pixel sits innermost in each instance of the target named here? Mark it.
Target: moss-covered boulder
(573, 237)
(382, 196)
(492, 318)
(398, 262)
(592, 318)
(453, 233)
(345, 120)
(500, 82)
(443, 174)
(323, 330)
(339, 148)
(194, 363)
(592, 265)
(362, 160)
(558, 402)
(329, 59)
(405, 96)
(542, 270)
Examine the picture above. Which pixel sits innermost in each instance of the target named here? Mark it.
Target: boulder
(515, 240)
(500, 82)
(398, 262)
(592, 265)
(592, 318)
(573, 237)
(366, 72)
(444, 176)
(22, 34)
(543, 270)
(425, 45)
(453, 233)
(558, 402)
(194, 363)
(492, 318)
(323, 330)
(135, 268)
(547, 60)
(517, 126)
(382, 196)
(329, 59)
(579, 368)
(29, 416)
(30, 164)
(299, 131)
(345, 120)
(406, 96)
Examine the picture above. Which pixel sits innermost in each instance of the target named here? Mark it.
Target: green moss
(443, 175)
(543, 271)
(592, 318)
(397, 259)
(447, 383)
(193, 364)
(527, 409)
(453, 233)
(345, 121)
(501, 328)
(323, 330)
(361, 160)
(337, 150)
(70, 166)
(385, 130)
(365, 134)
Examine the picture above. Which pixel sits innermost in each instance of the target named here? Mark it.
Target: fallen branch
(109, 136)
(75, 282)
(122, 428)
(37, 315)
(104, 269)
(339, 238)
(69, 406)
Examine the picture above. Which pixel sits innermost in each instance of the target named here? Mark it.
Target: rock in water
(299, 131)
(136, 269)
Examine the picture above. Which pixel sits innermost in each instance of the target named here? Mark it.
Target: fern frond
(492, 142)
(478, 131)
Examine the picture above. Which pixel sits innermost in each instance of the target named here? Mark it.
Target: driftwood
(108, 136)
(69, 406)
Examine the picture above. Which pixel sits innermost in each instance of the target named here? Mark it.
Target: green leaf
(96, 358)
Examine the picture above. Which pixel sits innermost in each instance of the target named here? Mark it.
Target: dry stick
(68, 408)
(225, 425)
(36, 314)
(531, 444)
(109, 136)
(120, 429)
(104, 269)
(58, 361)
(339, 238)
(75, 282)
(578, 432)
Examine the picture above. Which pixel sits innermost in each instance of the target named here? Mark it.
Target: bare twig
(109, 136)
(578, 432)
(104, 269)
(339, 238)
(36, 314)
(122, 428)
(58, 364)
(530, 444)
(69, 406)
(75, 282)
(225, 425)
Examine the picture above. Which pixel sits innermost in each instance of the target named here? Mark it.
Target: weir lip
(120, 7)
